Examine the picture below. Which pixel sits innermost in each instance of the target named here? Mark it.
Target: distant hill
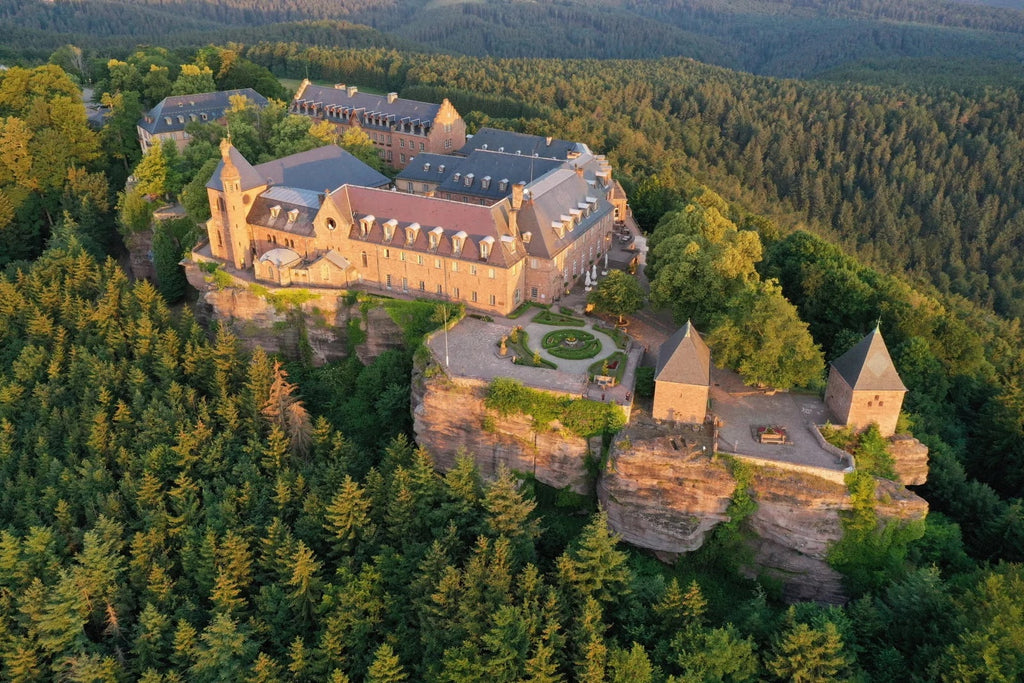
(795, 38)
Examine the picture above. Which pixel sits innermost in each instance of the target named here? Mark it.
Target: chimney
(517, 196)
(579, 170)
(392, 96)
(549, 140)
(352, 90)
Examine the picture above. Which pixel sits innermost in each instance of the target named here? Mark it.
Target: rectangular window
(455, 266)
(490, 273)
(472, 296)
(419, 259)
(387, 281)
(401, 256)
(533, 263)
(492, 299)
(456, 292)
(533, 292)
(437, 263)
(421, 147)
(389, 155)
(440, 290)
(387, 253)
(472, 270)
(405, 284)
(423, 286)
(401, 143)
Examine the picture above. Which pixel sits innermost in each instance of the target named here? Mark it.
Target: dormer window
(440, 168)
(203, 116)
(485, 182)
(181, 119)
(389, 229)
(469, 180)
(456, 176)
(576, 214)
(435, 237)
(503, 185)
(168, 119)
(411, 232)
(501, 149)
(566, 221)
(510, 243)
(293, 215)
(366, 224)
(426, 166)
(485, 247)
(458, 240)
(559, 228)
(527, 236)
(275, 211)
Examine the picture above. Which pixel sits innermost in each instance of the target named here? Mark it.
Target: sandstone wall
(449, 417)
(910, 459)
(668, 499)
(680, 402)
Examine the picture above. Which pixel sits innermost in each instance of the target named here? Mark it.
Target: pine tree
(385, 668)
(809, 655)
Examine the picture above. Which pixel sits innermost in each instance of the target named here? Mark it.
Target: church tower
(233, 206)
(864, 387)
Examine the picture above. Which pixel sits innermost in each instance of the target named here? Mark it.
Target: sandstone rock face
(326, 319)
(910, 458)
(668, 499)
(449, 416)
(659, 498)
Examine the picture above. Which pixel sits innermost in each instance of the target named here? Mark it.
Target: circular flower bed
(571, 344)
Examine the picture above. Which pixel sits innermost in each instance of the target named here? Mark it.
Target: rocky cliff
(323, 319)
(668, 499)
(449, 417)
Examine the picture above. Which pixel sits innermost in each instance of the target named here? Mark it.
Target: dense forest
(176, 509)
(781, 38)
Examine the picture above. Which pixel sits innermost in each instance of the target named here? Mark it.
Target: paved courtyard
(472, 351)
(741, 409)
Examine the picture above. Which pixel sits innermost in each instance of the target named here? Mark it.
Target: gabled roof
(395, 110)
(183, 109)
(479, 223)
(497, 168)
(523, 144)
(684, 358)
(280, 257)
(555, 195)
(324, 168)
(868, 366)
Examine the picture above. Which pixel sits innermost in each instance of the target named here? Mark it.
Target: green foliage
(546, 317)
(555, 344)
(518, 343)
(869, 449)
(645, 382)
(619, 294)
(605, 367)
(171, 240)
(524, 307)
(284, 299)
(418, 318)
(582, 417)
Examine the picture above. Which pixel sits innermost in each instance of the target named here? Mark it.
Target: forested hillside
(783, 38)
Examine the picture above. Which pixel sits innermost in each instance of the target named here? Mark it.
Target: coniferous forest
(176, 508)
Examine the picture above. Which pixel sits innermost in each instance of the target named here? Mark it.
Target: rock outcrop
(668, 500)
(910, 459)
(449, 417)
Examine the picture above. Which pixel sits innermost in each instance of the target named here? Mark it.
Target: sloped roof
(496, 167)
(396, 110)
(522, 143)
(324, 168)
(554, 195)
(684, 358)
(477, 222)
(429, 167)
(868, 366)
(280, 257)
(192, 107)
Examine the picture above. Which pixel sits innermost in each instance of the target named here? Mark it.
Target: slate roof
(684, 358)
(440, 167)
(558, 193)
(192, 107)
(523, 144)
(325, 168)
(330, 101)
(479, 223)
(481, 165)
(304, 203)
(868, 366)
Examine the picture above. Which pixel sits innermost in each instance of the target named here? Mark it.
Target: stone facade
(167, 120)
(399, 128)
(864, 387)
(491, 258)
(680, 402)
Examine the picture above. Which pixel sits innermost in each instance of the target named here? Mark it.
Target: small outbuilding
(682, 379)
(864, 387)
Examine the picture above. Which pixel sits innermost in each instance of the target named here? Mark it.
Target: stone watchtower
(864, 387)
(682, 379)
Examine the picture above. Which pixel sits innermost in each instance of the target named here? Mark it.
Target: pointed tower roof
(234, 165)
(684, 358)
(868, 366)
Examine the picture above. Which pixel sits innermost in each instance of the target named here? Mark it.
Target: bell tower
(234, 210)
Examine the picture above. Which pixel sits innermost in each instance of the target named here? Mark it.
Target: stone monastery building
(399, 128)
(167, 120)
(324, 219)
